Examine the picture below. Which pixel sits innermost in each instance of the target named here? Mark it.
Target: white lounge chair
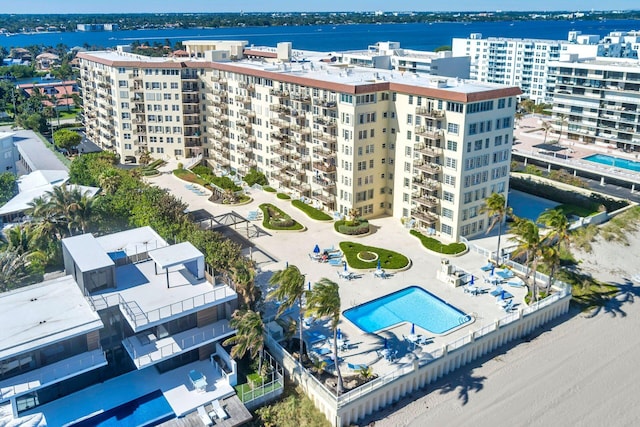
(204, 417)
(218, 410)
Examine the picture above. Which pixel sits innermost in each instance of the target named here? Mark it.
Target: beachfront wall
(381, 392)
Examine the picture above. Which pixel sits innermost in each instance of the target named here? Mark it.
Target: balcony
(243, 99)
(327, 200)
(218, 79)
(145, 350)
(426, 216)
(325, 137)
(321, 166)
(300, 129)
(51, 374)
(429, 112)
(247, 113)
(428, 132)
(328, 122)
(279, 93)
(304, 98)
(328, 185)
(283, 124)
(429, 150)
(426, 184)
(325, 103)
(429, 168)
(279, 136)
(429, 202)
(279, 108)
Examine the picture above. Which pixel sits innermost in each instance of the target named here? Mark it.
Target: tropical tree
(249, 335)
(527, 235)
(495, 206)
(67, 139)
(546, 127)
(109, 180)
(551, 258)
(289, 290)
(7, 186)
(145, 158)
(558, 225)
(243, 275)
(324, 300)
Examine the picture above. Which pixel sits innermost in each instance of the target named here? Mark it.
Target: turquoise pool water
(149, 410)
(412, 305)
(527, 205)
(603, 159)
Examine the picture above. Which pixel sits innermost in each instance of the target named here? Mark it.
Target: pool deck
(294, 247)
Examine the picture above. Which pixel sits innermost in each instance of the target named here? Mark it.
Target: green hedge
(436, 246)
(269, 189)
(283, 196)
(276, 219)
(311, 212)
(388, 259)
(343, 227)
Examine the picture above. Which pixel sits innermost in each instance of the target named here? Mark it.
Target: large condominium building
(525, 62)
(390, 56)
(130, 305)
(598, 101)
(426, 149)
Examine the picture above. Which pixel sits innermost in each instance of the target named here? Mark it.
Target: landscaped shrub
(276, 219)
(255, 177)
(283, 196)
(343, 227)
(437, 246)
(311, 212)
(388, 259)
(269, 189)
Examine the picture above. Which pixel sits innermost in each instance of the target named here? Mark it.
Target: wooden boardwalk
(237, 412)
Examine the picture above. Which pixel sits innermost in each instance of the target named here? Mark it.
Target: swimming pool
(149, 410)
(412, 305)
(527, 205)
(603, 159)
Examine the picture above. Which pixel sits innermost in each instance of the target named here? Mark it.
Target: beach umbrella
(472, 279)
(344, 264)
(379, 266)
(309, 285)
(413, 329)
(493, 268)
(339, 333)
(316, 249)
(502, 294)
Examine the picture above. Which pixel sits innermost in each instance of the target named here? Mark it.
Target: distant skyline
(168, 6)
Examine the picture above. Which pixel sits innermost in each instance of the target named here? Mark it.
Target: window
(453, 128)
(450, 162)
(447, 213)
(450, 180)
(409, 119)
(448, 196)
(452, 146)
(446, 229)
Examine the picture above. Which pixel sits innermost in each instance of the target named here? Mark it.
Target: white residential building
(525, 62)
(427, 149)
(598, 101)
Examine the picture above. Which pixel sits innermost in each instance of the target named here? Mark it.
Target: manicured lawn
(388, 259)
(269, 189)
(283, 196)
(245, 392)
(275, 219)
(189, 176)
(569, 210)
(436, 246)
(311, 212)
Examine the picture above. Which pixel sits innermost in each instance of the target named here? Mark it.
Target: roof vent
(43, 321)
(33, 299)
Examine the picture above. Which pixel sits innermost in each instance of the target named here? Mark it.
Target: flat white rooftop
(38, 315)
(87, 254)
(142, 289)
(134, 241)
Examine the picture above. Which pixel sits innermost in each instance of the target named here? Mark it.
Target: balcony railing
(431, 133)
(429, 168)
(426, 216)
(51, 374)
(429, 202)
(145, 350)
(427, 112)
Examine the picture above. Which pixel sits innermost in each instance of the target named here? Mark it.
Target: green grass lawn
(436, 246)
(311, 212)
(245, 392)
(276, 219)
(269, 189)
(582, 211)
(64, 114)
(187, 175)
(388, 259)
(283, 196)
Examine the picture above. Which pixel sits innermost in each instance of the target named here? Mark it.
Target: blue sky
(128, 6)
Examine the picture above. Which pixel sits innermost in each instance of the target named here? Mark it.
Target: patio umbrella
(502, 294)
(379, 266)
(413, 329)
(472, 279)
(316, 249)
(344, 264)
(309, 285)
(339, 334)
(493, 268)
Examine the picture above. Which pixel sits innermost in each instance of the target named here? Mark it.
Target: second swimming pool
(411, 305)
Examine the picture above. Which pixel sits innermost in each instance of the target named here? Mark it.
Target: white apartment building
(598, 101)
(427, 149)
(390, 56)
(525, 62)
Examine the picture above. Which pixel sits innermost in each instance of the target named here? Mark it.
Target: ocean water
(329, 37)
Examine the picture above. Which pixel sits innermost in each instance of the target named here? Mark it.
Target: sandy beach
(579, 370)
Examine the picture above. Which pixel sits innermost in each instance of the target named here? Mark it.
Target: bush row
(311, 212)
(343, 227)
(436, 246)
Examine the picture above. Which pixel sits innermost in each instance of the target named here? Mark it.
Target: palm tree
(546, 126)
(324, 300)
(83, 212)
(249, 335)
(495, 206)
(64, 202)
(527, 235)
(558, 224)
(289, 290)
(243, 275)
(551, 257)
(109, 180)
